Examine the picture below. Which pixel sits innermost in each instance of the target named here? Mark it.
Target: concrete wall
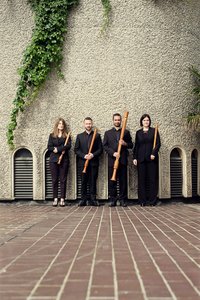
(140, 65)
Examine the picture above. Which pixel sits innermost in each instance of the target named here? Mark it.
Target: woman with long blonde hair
(56, 146)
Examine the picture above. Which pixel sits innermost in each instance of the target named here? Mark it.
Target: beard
(88, 128)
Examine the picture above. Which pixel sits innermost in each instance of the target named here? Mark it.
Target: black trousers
(90, 177)
(112, 185)
(147, 181)
(59, 171)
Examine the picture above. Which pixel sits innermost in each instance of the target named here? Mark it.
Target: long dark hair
(55, 129)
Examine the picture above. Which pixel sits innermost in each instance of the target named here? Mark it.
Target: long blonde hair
(55, 129)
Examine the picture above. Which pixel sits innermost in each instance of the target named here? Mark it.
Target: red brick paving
(76, 253)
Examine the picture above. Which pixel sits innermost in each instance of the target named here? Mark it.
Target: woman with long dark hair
(145, 157)
(59, 169)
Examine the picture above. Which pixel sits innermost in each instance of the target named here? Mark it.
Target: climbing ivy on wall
(44, 52)
(106, 8)
(194, 117)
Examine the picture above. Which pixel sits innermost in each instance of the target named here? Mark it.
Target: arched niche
(23, 174)
(194, 165)
(176, 173)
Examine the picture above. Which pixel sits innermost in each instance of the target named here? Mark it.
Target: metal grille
(194, 175)
(23, 174)
(48, 180)
(176, 176)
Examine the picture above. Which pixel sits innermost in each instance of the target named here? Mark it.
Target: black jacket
(110, 144)
(59, 144)
(144, 145)
(82, 145)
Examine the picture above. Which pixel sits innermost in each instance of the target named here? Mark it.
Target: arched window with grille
(23, 174)
(194, 158)
(48, 180)
(176, 173)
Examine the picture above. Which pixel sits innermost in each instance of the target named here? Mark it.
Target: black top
(110, 143)
(58, 142)
(83, 141)
(144, 145)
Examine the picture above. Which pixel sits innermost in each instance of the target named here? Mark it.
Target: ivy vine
(44, 53)
(106, 13)
(194, 117)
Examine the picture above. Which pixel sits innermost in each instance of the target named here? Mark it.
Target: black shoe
(123, 204)
(153, 203)
(91, 203)
(82, 203)
(142, 204)
(112, 204)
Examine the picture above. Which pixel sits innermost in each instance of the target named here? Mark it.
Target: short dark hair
(117, 115)
(88, 119)
(143, 117)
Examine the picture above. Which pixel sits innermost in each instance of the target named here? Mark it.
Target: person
(82, 145)
(110, 144)
(56, 146)
(146, 158)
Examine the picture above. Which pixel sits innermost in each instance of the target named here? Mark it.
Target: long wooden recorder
(89, 151)
(63, 152)
(116, 164)
(155, 136)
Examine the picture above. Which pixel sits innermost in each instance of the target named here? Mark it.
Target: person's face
(145, 122)
(60, 125)
(88, 125)
(117, 121)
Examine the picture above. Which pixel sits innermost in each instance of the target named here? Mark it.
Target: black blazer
(110, 144)
(144, 145)
(82, 147)
(59, 144)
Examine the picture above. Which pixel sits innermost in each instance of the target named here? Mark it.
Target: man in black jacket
(81, 149)
(110, 143)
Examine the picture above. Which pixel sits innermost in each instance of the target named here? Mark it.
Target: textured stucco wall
(140, 65)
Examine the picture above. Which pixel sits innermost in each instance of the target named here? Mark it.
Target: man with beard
(81, 149)
(110, 143)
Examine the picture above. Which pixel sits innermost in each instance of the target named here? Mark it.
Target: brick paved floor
(102, 253)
